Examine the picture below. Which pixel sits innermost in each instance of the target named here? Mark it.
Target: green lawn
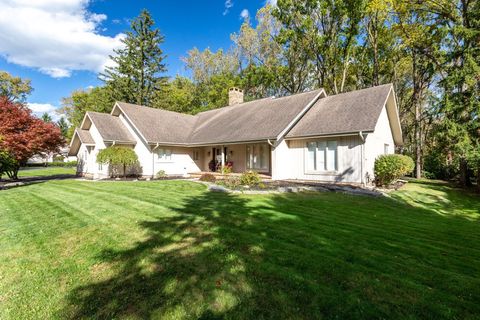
(43, 172)
(172, 250)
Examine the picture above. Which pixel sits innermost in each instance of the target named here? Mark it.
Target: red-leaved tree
(23, 135)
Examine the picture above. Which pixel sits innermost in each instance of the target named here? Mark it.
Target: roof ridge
(257, 100)
(156, 109)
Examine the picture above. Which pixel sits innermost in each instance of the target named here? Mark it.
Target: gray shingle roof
(159, 126)
(85, 136)
(251, 121)
(110, 127)
(256, 120)
(343, 113)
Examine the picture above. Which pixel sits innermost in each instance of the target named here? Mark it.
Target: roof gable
(110, 127)
(158, 125)
(344, 113)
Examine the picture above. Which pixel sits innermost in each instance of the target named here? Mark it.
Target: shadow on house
(228, 256)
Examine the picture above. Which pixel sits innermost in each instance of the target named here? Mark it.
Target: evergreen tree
(139, 65)
(46, 117)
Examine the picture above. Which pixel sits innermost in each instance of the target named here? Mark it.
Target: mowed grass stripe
(173, 250)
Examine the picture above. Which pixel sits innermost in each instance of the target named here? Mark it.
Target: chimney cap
(235, 89)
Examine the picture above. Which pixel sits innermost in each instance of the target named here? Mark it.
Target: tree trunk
(124, 171)
(478, 179)
(463, 172)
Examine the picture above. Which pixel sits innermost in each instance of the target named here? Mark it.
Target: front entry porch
(238, 157)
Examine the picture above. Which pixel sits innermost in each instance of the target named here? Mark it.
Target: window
(321, 156)
(196, 155)
(100, 167)
(85, 155)
(385, 148)
(164, 155)
(258, 157)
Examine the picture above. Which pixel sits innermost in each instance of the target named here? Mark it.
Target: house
(305, 136)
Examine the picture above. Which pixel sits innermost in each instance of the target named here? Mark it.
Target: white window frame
(164, 155)
(321, 149)
(386, 148)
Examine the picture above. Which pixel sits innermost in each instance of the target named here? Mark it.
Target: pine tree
(139, 64)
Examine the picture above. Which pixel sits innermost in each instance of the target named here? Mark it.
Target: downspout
(153, 160)
(362, 159)
(270, 143)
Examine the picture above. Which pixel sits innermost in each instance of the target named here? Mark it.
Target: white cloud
(228, 5)
(39, 109)
(54, 36)
(273, 3)
(244, 14)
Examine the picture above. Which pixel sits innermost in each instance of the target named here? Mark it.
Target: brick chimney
(235, 96)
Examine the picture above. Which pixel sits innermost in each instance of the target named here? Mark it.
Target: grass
(172, 250)
(45, 171)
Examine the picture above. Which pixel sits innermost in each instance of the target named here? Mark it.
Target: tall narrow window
(258, 157)
(385, 148)
(331, 156)
(311, 156)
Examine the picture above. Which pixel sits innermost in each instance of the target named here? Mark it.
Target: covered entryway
(240, 157)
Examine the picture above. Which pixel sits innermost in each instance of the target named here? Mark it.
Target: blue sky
(60, 45)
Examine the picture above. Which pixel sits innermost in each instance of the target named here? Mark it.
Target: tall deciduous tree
(460, 23)
(139, 65)
(24, 135)
(328, 31)
(75, 106)
(14, 88)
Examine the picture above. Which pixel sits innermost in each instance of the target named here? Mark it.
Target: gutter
(362, 158)
(153, 160)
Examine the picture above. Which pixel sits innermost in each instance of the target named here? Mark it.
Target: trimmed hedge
(391, 167)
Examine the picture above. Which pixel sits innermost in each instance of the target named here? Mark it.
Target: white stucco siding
(379, 142)
(290, 161)
(141, 148)
(87, 156)
(282, 162)
(180, 161)
(93, 166)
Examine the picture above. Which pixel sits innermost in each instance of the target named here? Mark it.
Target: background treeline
(429, 50)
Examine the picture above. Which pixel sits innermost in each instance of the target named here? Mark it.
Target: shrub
(390, 167)
(118, 155)
(161, 174)
(58, 158)
(226, 170)
(250, 178)
(208, 177)
(232, 182)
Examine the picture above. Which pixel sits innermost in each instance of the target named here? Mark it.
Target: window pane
(321, 148)
(168, 154)
(311, 148)
(331, 155)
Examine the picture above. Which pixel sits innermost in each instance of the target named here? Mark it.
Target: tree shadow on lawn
(228, 256)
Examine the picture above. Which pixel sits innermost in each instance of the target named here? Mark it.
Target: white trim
(328, 136)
